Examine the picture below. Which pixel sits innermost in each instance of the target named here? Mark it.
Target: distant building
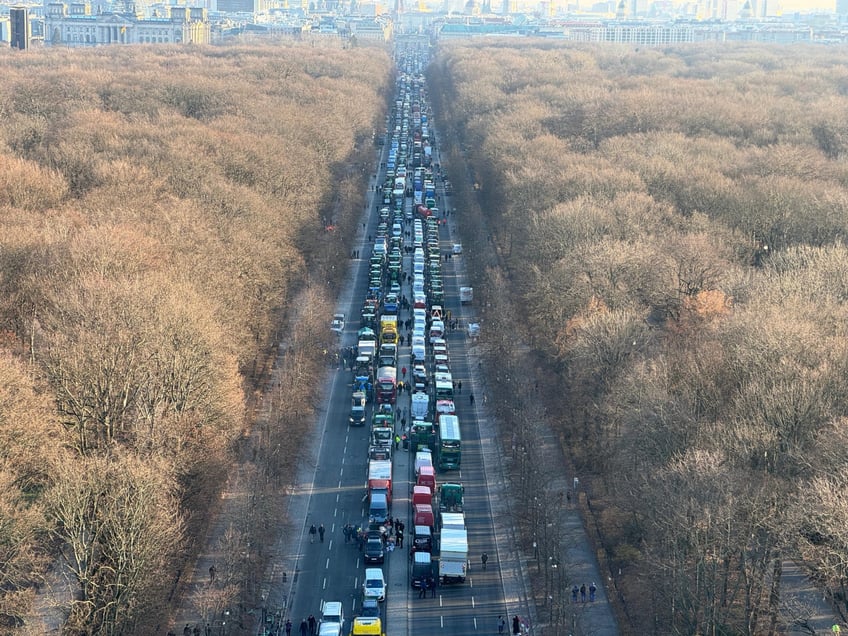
(241, 6)
(365, 29)
(20, 34)
(75, 26)
(641, 35)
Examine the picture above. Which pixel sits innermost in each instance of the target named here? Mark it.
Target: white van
(419, 349)
(423, 458)
(332, 612)
(374, 585)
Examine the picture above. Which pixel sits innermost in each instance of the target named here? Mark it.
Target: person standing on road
(321, 532)
(471, 398)
(288, 627)
(516, 624)
(592, 589)
(574, 592)
(485, 559)
(397, 441)
(501, 624)
(312, 532)
(583, 593)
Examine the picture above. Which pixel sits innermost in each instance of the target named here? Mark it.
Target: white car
(374, 585)
(329, 629)
(338, 323)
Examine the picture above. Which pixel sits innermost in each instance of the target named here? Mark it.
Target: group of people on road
(428, 584)
(581, 591)
(517, 625)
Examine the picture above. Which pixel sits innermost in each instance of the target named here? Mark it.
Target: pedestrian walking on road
(403, 371)
(516, 624)
(836, 629)
(312, 532)
(431, 583)
(399, 538)
(459, 384)
(574, 592)
(212, 573)
(313, 625)
(397, 441)
(471, 398)
(304, 628)
(583, 593)
(321, 532)
(422, 591)
(501, 624)
(288, 627)
(485, 559)
(592, 590)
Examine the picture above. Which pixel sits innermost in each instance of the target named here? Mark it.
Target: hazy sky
(807, 5)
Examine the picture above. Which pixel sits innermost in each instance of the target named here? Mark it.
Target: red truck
(380, 478)
(386, 385)
(422, 515)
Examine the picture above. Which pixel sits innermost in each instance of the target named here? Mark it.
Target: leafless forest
(162, 212)
(664, 229)
(670, 226)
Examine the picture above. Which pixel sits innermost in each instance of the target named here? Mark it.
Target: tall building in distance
(19, 28)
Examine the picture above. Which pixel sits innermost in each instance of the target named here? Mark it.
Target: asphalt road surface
(333, 570)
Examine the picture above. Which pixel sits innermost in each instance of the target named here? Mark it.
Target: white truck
(453, 555)
(420, 406)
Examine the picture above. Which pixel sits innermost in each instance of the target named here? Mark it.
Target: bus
(449, 443)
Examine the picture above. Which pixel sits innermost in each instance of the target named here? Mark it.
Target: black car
(374, 550)
(370, 608)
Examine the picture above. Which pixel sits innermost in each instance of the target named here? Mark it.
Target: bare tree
(118, 523)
